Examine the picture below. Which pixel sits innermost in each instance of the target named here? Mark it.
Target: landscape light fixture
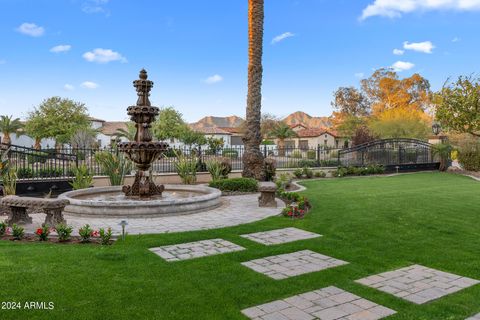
(123, 223)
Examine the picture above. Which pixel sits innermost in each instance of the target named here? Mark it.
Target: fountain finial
(143, 74)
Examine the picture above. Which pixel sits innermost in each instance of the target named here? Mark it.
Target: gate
(398, 154)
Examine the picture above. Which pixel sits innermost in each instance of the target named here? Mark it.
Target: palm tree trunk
(37, 145)
(6, 138)
(253, 162)
(281, 147)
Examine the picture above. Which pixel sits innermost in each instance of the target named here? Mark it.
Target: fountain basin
(110, 202)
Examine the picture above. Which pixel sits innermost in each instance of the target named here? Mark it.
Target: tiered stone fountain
(143, 198)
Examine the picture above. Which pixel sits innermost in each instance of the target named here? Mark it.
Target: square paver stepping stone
(325, 304)
(292, 264)
(279, 236)
(197, 249)
(418, 284)
(475, 317)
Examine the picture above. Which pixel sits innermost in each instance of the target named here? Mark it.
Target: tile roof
(110, 128)
(212, 131)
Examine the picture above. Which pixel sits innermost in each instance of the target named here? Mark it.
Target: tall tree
(36, 127)
(351, 101)
(62, 118)
(8, 126)
(282, 131)
(169, 124)
(253, 162)
(458, 106)
(401, 123)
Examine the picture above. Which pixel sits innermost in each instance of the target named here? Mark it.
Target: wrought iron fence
(54, 163)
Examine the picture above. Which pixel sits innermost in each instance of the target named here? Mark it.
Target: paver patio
(234, 210)
(279, 236)
(292, 264)
(475, 317)
(418, 284)
(329, 303)
(197, 249)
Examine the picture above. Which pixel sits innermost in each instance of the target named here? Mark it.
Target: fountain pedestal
(143, 151)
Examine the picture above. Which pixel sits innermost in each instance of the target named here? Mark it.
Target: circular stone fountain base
(111, 202)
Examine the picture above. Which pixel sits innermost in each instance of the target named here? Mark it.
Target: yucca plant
(215, 168)
(115, 166)
(8, 175)
(82, 179)
(187, 169)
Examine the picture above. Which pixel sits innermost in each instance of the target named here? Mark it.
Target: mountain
(307, 120)
(218, 122)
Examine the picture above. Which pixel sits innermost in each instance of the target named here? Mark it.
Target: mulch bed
(53, 239)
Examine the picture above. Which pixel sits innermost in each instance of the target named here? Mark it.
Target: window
(336, 143)
(303, 144)
(325, 142)
(289, 144)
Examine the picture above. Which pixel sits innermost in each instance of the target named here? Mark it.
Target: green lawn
(375, 223)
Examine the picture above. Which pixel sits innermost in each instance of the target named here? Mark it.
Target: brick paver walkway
(418, 284)
(279, 236)
(197, 249)
(329, 303)
(292, 264)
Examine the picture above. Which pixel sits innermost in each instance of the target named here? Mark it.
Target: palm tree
(253, 162)
(128, 133)
(8, 125)
(444, 151)
(282, 131)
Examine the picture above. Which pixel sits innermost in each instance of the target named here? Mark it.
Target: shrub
(18, 232)
(187, 169)
(355, 171)
(24, 173)
(86, 233)
(82, 179)
(298, 173)
(105, 236)
(320, 174)
(469, 157)
(308, 172)
(3, 228)
(37, 156)
(307, 163)
(328, 163)
(235, 184)
(293, 212)
(289, 197)
(270, 169)
(297, 154)
(230, 153)
(42, 233)
(64, 232)
(311, 154)
(283, 181)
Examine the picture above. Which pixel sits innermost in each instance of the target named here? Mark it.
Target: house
(236, 137)
(309, 138)
(216, 133)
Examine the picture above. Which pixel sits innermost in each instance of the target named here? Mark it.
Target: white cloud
(456, 39)
(100, 55)
(398, 52)
(94, 6)
(359, 75)
(31, 29)
(425, 47)
(89, 85)
(400, 66)
(69, 87)
(61, 48)
(282, 37)
(213, 79)
(395, 8)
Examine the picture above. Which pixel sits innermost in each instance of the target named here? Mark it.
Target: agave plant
(82, 179)
(186, 168)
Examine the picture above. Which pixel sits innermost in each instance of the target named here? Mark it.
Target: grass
(375, 223)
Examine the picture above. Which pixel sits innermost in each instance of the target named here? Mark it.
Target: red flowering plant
(42, 233)
(87, 233)
(293, 212)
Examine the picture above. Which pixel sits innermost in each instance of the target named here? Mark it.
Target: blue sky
(196, 51)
